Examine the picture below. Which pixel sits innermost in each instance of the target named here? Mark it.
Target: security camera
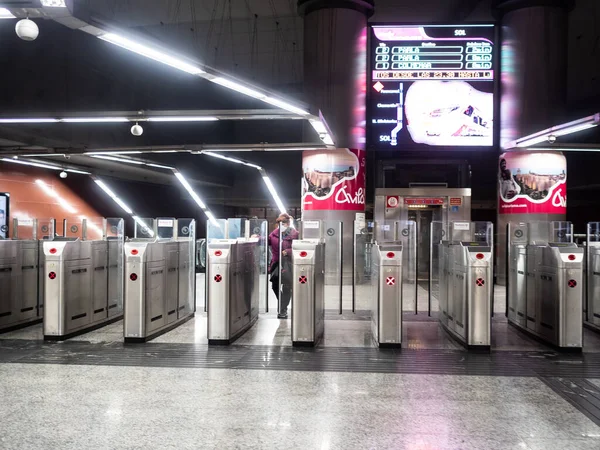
(137, 130)
(552, 139)
(27, 30)
(63, 174)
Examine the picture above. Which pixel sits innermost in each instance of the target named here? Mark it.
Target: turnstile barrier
(466, 283)
(233, 288)
(592, 297)
(21, 282)
(387, 281)
(545, 293)
(83, 278)
(308, 292)
(159, 278)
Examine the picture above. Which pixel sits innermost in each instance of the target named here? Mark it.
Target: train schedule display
(431, 85)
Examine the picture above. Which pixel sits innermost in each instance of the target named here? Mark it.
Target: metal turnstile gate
(160, 288)
(308, 292)
(387, 282)
(21, 302)
(545, 291)
(466, 283)
(83, 278)
(233, 288)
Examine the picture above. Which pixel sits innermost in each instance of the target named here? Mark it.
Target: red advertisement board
(334, 180)
(532, 183)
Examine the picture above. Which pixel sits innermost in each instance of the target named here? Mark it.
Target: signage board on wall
(423, 201)
(532, 183)
(4, 214)
(334, 180)
(431, 85)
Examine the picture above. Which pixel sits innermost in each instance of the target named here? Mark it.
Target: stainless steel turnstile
(21, 303)
(545, 292)
(233, 288)
(592, 277)
(466, 284)
(83, 279)
(308, 292)
(160, 287)
(387, 281)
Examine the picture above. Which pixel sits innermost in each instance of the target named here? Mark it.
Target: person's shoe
(282, 316)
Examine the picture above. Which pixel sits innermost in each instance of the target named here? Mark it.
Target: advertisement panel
(532, 183)
(431, 85)
(334, 180)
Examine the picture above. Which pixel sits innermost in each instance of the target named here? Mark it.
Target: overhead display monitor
(431, 85)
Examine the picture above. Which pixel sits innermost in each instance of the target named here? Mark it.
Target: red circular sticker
(52, 275)
(52, 251)
(218, 278)
(218, 253)
(572, 257)
(303, 254)
(479, 256)
(133, 277)
(134, 252)
(572, 283)
(391, 254)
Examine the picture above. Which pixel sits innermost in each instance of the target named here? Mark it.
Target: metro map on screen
(431, 85)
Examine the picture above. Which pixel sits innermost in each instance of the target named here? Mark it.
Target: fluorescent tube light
(212, 218)
(28, 120)
(556, 131)
(114, 196)
(283, 105)
(81, 172)
(230, 159)
(114, 158)
(6, 14)
(53, 3)
(327, 140)
(319, 126)
(129, 152)
(94, 119)
(182, 119)
(151, 53)
(238, 87)
(52, 193)
(188, 188)
(273, 192)
(30, 163)
(159, 166)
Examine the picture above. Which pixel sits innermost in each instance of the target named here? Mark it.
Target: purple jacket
(289, 235)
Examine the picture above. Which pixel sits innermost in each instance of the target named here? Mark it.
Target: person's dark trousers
(286, 295)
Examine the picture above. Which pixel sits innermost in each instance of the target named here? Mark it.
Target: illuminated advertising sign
(431, 85)
(334, 180)
(532, 183)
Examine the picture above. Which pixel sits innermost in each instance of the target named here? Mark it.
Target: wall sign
(431, 85)
(392, 201)
(423, 201)
(455, 201)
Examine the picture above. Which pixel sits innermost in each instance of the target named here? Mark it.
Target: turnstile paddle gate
(160, 289)
(592, 297)
(308, 292)
(545, 292)
(83, 280)
(386, 279)
(233, 288)
(466, 289)
(21, 301)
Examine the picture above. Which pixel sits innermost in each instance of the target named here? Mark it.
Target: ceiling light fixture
(42, 165)
(283, 105)
(93, 119)
(123, 160)
(184, 182)
(151, 53)
(29, 120)
(550, 134)
(233, 160)
(182, 119)
(53, 3)
(274, 194)
(112, 195)
(238, 87)
(6, 14)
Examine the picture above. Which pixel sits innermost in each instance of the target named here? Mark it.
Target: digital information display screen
(431, 85)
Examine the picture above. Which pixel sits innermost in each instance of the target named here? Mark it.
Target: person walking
(288, 235)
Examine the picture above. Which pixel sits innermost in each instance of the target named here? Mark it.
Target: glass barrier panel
(73, 228)
(216, 229)
(165, 227)
(311, 229)
(46, 229)
(188, 279)
(235, 228)
(406, 232)
(383, 232)
(561, 231)
(593, 232)
(363, 289)
(437, 235)
(282, 264)
(145, 228)
(24, 229)
(259, 229)
(94, 228)
(115, 235)
(336, 294)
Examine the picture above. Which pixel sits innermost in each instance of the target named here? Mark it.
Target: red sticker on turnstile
(572, 283)
(480, 281)
(133, 276)
(134, 252)
(218, 253)
(52, 275)
(391, 254)
(303, 254)
(572, 257)
(218, 278)
(52, 251)
(302, 279)
(479, 256)
(390, 281)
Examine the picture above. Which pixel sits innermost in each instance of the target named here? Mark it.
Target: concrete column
(533, 92)
(335, 45)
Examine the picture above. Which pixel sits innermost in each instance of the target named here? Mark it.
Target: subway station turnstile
(592, 294)
(466, 283)
(21, 280)
(83, 278)
(308, 292)
(545, 282)
(160, 287)
(233, 288)
(387, 282)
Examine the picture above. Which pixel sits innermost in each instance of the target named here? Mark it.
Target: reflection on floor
(349, 329)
